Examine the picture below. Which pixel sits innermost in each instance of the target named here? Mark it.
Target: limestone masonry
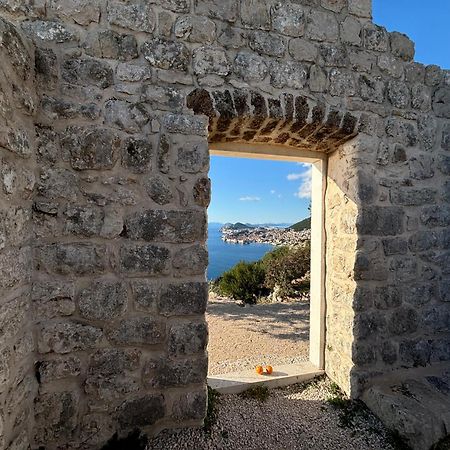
(106, 111)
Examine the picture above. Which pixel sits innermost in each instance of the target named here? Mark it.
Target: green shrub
(244, 281)
(284, 265)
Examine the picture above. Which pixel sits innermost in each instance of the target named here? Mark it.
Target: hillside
(305, 224)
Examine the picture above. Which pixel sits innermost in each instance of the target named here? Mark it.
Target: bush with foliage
(245, 281)
(284, 265)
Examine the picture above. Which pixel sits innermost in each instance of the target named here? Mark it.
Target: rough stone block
(195, 29)
(376, 38)
(360, 8)
(167, 226)
(131, 117)
(148, 259)
(112, 45)
(103, 300)
(190, 406)
(210, 60)
(255, 15)
(166, 54)
(372, 88)
(58, 368)
(403, 321)
(263, 43)
(351, 31)
(137, 155)
(395, 246)
(138, 331)
(56, 416)
(66, 337)
(141, 412)
(399, 94)
(288, 19)
(441, 102)
(82, 12)
(218, 9)
(381, 221)
(424, 240)
(49, 31)
(183, 124)
(191, 260)
(164, 373)
(435, 216)
(83, 220)
(322, 26)
(138, 15)
(146, 295)
(188, 339)
(250, 66)
(418, 294)
(159, 190)
(402, 46)
(53, 299)
(87, 72)
(183, 299)
(71, 259)
(289, 74)
(108, 362)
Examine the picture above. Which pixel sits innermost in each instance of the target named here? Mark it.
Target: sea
(224, 255)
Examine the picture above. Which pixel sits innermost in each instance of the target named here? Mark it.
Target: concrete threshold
(237, 382)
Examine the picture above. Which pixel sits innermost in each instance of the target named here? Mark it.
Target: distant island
(244, 233)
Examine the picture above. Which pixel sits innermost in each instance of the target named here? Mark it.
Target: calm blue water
(223, 256)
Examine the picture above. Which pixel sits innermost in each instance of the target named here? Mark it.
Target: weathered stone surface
(190, 406)
(67, 337)
(112, 45)
(424, 240)
(195, 29)
(402, 46)
(218, 9)
(103, 300)
(390, 65)
(148, 259)
(183, 124)
(290, 74)
(163, 373)
(288, 19)
(271, 45)
(166, 226)
(137, 16)
(191, 260)
(59, 368)
(441, 102)
(351, 31)
(376, 38)
(399, 94)
(202, 192)
(53, 299)
(342, 83)
(210, 60)
(322, 26)
(91, 148)
(159, 190)
(435, 216)
(49, 31)
(361, 8)
(188, 339)
(142, 411)
(138, 330)
(250, 66)
(130, 117)
(183, 299)
(146, 294)
(56, 413)
(87, 72)
(255, 14)
(372, 88)
(76, 258)
(166, 54)
(82, 12)
(137, 154)
(403, 320)
(193, 156)
(381, 221)
(412, 196)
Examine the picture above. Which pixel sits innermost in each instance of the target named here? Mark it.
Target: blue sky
(256, 191)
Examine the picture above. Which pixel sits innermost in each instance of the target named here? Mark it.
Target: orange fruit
(269, 370)
(259, 370)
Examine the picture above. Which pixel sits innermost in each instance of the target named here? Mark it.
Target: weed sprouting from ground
(135, 440)
(260, 393)
(211, 414)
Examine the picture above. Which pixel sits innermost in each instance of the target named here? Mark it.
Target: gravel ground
(296, 417)
(242, 337)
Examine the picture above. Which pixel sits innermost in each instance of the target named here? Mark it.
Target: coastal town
(265, 235)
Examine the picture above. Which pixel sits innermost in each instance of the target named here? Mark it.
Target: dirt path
(242, 337)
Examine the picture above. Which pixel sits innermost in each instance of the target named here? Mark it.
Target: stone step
(284, 375)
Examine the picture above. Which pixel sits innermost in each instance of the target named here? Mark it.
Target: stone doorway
(307, 362)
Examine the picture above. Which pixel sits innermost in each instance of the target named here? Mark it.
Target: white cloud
(304, 190)
(273, 191)
(250, 199)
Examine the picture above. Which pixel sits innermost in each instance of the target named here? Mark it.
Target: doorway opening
(285, 331)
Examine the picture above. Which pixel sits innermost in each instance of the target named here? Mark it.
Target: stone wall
(129, 95)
